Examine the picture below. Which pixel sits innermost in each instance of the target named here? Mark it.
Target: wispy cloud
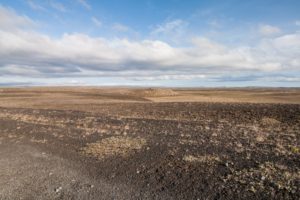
(214, 23)
(174, 30)
(297, 22)
(85, 4)
(268, 30)
(10, 20)
(58, 6)
(120, 27)
(96, 21)
(35, 6)
(170, 27)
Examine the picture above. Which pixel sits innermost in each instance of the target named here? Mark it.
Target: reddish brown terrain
(127, 143)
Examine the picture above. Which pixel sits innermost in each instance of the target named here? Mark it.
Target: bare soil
(122, 143)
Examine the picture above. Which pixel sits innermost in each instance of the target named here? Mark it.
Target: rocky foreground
(151, 151)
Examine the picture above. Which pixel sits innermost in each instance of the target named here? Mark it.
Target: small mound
(114, 146)
(157, 92)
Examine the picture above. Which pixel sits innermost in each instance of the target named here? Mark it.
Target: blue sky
(150, 43)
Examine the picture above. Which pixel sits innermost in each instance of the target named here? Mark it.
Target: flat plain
(157, 143)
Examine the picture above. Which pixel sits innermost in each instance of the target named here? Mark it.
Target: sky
(172, 43)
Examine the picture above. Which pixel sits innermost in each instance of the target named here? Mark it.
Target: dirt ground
(134, 143)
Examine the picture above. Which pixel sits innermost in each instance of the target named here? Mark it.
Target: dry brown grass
(277, 175)
(269, 121)
(202, 159)
(114, 146)
(89, 98)
(157, 92)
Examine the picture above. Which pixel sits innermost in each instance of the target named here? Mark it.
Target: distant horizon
(148, 87)
(150, 43)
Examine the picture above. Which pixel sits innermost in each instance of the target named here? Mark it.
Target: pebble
(58, 189)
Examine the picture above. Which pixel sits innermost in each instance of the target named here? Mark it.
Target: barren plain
(137, 143)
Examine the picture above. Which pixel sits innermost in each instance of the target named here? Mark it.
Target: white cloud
(78, 52)
(96, 21)
(27, 53)
(85, 4)
(120, 27)
(267, 30)
(288, 41)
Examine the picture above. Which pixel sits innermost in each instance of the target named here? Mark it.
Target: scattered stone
(57, 190)
(127, 127)
(260, 138)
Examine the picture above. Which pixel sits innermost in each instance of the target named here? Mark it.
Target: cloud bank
(26, 52)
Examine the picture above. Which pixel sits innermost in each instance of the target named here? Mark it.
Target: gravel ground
(151, 151)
